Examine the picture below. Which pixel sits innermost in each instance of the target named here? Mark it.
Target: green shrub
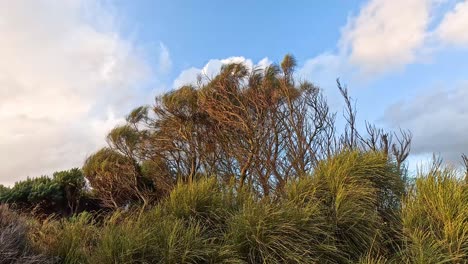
(31, 192)
(72, 184)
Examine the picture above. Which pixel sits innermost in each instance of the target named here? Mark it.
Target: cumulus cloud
(212, 67)
(66, 76)
(437, 120)
(454, 27)
(383, 36)
(386, 35)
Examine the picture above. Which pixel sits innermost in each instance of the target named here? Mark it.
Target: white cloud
(454, 27)
(186, 77)
(386, 35)
(212, 67)
(66, 75)
(264, 63)
(324, 67)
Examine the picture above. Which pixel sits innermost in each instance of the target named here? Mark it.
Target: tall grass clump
(360, 195)
(205, 205)
(15, 246)
(122, 240)
(205, 200)
(268, 232)
(180, 241)
(70, 240)
(435, 218)
(153, 238)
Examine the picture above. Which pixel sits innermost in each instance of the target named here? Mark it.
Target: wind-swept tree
(259, 127)
(115, 180)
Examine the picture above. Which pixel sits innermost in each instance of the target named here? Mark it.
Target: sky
(70, 70)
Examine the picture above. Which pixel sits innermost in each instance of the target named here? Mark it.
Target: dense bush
(60, 194)
(38, 193)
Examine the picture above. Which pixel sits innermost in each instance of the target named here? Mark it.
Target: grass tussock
(435, 218)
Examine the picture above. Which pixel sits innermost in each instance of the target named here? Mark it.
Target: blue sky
(197, 31)
(72, 69)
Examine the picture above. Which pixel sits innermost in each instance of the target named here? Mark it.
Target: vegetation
(15, 246)
(245, 167)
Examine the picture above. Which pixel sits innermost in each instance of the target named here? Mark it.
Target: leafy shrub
(47, 195)
(114, 178)
(34, 191)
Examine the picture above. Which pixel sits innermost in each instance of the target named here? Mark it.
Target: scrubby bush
(72, 184)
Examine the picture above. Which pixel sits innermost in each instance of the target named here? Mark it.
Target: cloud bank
(66, 76)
